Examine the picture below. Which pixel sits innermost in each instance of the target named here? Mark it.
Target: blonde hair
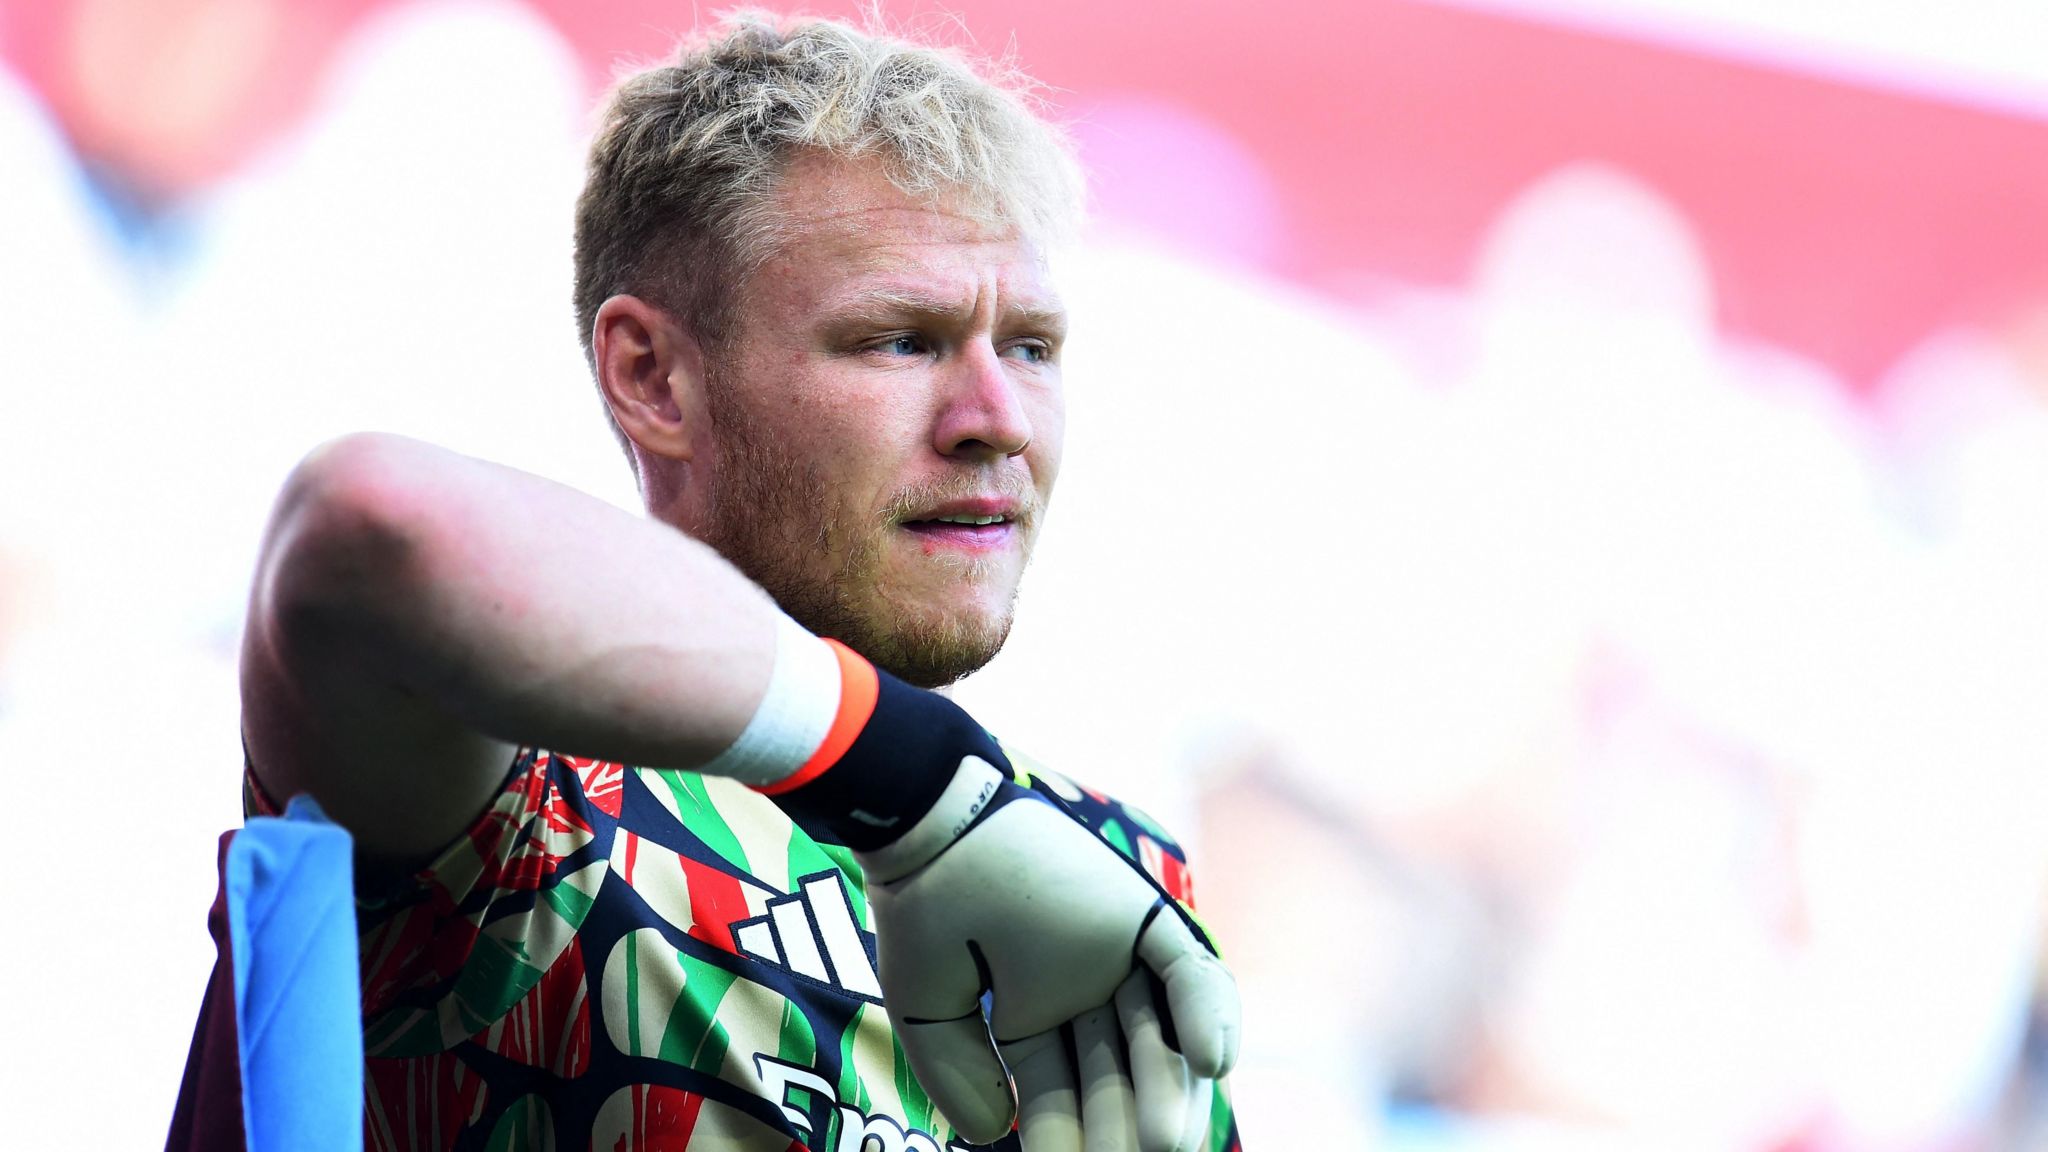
(677, 206)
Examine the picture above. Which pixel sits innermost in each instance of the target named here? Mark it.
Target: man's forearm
(407, 594)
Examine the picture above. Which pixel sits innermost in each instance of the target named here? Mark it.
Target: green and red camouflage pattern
(567, 975)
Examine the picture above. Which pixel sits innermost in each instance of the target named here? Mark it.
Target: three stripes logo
(812, 933)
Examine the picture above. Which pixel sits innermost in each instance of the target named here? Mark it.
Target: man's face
(891, 382)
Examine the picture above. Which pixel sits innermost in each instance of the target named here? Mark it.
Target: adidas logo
(812, 933)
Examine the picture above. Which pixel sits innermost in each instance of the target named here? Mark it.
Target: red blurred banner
(1839, 220)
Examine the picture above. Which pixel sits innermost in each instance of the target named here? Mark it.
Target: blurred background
(1560, 486)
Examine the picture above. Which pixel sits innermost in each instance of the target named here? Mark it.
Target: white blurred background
(1563, 485)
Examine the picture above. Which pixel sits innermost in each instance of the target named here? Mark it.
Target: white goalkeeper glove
(1112, 1017)
(1108, 1015)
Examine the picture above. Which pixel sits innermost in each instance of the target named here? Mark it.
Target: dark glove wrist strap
(893, 772)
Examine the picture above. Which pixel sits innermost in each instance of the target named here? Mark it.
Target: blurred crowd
(1592, 729)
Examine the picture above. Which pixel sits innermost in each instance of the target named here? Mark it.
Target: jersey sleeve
(447, 949)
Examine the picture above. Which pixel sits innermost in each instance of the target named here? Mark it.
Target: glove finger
(956, 1063)
(1201, 996)
(1201, 1101)
(1159, 1076)
(1048, 1104)
(1108, 1120)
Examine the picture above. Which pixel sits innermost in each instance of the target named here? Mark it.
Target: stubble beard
(774, 517)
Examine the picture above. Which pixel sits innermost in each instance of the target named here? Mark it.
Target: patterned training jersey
(628, 959)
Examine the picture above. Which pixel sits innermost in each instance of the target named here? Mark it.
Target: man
(812, 288)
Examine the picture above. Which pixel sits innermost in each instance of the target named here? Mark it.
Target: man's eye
(906, 345)
(1030, 351)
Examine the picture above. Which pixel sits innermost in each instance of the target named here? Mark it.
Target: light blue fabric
(298, 1004)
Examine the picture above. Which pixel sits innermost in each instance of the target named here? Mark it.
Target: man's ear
(651, 371)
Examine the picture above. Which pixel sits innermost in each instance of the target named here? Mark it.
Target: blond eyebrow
(910, 302)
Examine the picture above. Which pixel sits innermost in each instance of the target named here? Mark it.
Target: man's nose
(981, 414)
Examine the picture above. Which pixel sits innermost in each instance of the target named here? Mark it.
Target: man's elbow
(348, 531)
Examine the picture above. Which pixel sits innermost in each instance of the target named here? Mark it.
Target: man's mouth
(963, 530)
(976, 521)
